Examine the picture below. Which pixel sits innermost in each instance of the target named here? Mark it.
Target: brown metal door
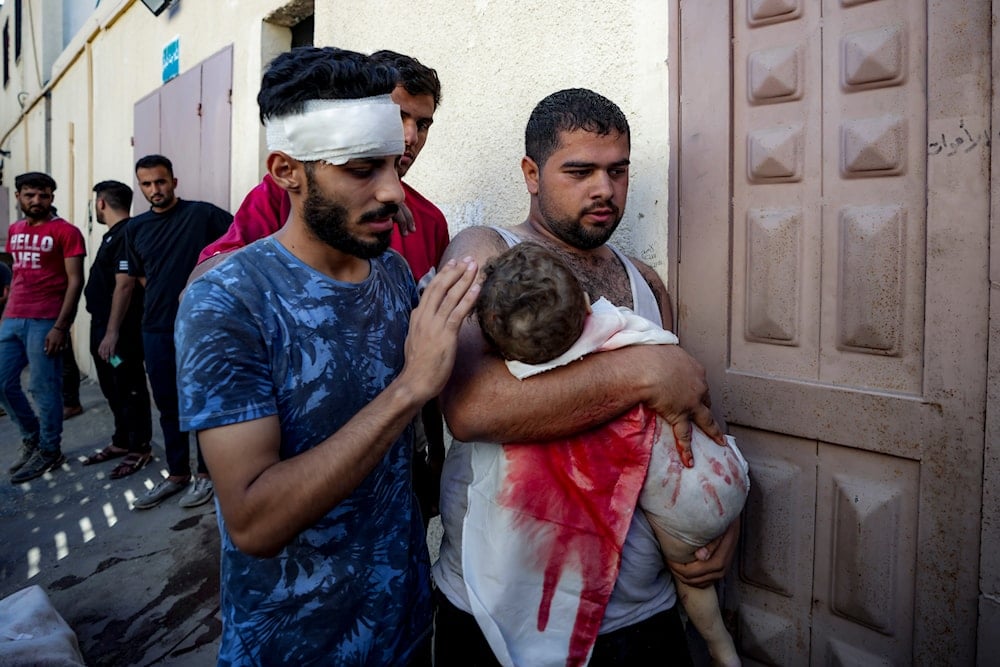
(188, 120)
(180, 131)
(832, 275)
(216, 131)
(145, 140)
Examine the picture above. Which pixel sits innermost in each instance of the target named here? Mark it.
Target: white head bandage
(336, 131)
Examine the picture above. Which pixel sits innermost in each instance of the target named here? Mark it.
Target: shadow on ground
(137, 587)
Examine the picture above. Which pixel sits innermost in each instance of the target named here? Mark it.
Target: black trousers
(71, 378)
(659, 640)
(161, 366)
(125, 389)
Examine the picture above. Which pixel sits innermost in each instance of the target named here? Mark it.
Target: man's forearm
(267, 502)
(484, 402)
(67, 312)
(120, 301)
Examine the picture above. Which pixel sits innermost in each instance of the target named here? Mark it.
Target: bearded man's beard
(327, 220)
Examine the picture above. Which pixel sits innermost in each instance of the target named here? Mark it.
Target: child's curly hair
(531, 307)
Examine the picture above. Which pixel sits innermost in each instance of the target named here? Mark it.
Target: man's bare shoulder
(651, 276)
(479, 242)
(659, 291)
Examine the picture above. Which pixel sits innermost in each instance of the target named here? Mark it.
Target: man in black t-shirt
(119, 367)
(161, 249)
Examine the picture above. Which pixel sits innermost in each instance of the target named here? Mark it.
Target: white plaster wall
(70, 148)
(26, 141)
(125, 72)
(112, 62)
(126, 42)
(496, 60)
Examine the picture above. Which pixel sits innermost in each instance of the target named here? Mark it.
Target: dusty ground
(137, 587)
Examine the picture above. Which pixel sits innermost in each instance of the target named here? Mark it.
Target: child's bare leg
(701, 604)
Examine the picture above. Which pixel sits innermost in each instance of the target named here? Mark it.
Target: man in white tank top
(576, 168)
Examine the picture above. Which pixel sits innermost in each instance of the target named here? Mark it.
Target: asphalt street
(138, 587)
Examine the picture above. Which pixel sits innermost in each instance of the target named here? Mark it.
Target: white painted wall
(93, 85)
(496, 60)
(119, 50)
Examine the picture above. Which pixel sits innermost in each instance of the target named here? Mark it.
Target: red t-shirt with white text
(40, 279)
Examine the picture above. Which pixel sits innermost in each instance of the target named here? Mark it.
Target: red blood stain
(737, 472)
(584, 489)
(674, 471)
(720, 471)
(710, 492)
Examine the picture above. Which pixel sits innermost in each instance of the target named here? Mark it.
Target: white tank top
(644, 586)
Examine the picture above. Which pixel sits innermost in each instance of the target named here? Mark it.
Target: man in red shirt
(48, 278)
(266, 208)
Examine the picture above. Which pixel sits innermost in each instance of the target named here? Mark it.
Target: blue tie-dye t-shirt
(264, 334)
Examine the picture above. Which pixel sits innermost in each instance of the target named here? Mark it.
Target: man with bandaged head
(302, 362)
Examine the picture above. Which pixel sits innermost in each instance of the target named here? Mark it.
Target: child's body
(534, 311)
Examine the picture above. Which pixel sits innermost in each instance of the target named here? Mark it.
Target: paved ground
(139, 587)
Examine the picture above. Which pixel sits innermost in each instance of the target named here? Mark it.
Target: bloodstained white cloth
(607, 328)
(546, 522)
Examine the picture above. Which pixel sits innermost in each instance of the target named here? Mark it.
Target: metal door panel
(874, 203)
(776, 557)
(145, 140)
(856, 303)
(180, 131)
(776, 164)
(866, 539)
(188, 120)
(216, 131)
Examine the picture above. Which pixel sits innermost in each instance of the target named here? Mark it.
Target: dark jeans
(161, 364)
(659, 640)
(125, 389)
(70, 377)
(22, 343)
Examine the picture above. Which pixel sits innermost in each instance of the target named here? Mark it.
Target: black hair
(320, 73)
(413, 75)
(153, 161)
(34, 179)
(566, 111)
(115, 194)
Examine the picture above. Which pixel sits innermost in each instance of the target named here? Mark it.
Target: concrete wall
(496, 60)
(74, 118)
(114, 61)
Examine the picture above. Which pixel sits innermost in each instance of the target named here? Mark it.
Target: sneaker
(199, 493)
(39, 464)
(28, 448)
(158, 494)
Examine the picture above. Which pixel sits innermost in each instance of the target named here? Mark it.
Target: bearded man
(301, 364)
(48, 278)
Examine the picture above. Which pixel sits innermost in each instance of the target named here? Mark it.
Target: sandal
(134, 462)
(106, 454)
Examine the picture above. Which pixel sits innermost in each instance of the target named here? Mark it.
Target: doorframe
(989, 576)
